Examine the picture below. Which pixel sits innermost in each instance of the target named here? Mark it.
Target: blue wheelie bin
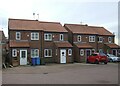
(33, 61)
(38, 61)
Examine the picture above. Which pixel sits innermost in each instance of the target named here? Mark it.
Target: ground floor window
(14, 52)
(114, 52)
(34, 52)
(82, 52)
(69, 52)
(48, 52)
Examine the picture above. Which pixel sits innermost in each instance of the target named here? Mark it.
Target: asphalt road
(77, 73)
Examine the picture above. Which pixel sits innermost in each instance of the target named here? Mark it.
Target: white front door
(62, 56)
(23, 57)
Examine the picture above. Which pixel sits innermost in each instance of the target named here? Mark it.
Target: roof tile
(19, 43)
(83, 45)
(63, 44)
(85, 29)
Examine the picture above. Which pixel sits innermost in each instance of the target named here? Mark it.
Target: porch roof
(112, 45)
(63, 44)
(83, 45)
(19, 44)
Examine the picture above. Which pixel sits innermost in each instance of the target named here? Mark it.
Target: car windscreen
(102, 54)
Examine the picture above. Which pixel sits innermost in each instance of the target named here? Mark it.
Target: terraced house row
(54, 43)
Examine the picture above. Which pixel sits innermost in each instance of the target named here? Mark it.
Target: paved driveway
(77, 73)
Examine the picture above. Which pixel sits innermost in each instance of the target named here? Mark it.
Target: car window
(94, 55)
(111, 55)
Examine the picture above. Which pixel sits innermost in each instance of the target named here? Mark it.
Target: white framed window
(14, 52)
(18, 35)
(100, 39)
(91, 38)
(34, 53)
(34, 36)
(48, 36)
(61, 37)
(110, 39)
(69, 52)
(82, 52)
(48, 52)
(79, 38)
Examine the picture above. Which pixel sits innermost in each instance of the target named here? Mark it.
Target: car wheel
(96, 62)
(87, 61)
(111, 60)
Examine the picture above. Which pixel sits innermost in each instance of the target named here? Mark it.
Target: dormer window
(61, 37)
(18, 35)
(110, 39)
(79, 38)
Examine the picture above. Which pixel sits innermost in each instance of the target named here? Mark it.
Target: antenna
(81, 22)
(34, 16)
(38, 16)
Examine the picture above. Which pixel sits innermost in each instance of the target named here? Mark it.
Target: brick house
(88, 39)
(55, 44)
(32, 38)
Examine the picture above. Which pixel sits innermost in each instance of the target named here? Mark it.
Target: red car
(97, 58)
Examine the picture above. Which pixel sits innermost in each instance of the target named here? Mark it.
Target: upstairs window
(48, 36)
(18, 35)
(34, 52)
(100, 39)
(110, 39)
(61, 37)
(91, 38)
(79, 38)
(35, 36)
(69, 52)
(14, 52)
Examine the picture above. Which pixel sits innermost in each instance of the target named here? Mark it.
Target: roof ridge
(49, 22)
(22, 19)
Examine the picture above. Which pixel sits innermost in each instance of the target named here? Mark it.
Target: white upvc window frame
(48, 36)
(18, 36)
(78, 38)
(14, 52)
(61, 37)
(34, 53)
(109, 39)
(100, 39)
(91, 38)
(82, 52)
(47, 50)
(69, 52)
(34, 35)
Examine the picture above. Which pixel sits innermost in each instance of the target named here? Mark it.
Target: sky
(92, 12)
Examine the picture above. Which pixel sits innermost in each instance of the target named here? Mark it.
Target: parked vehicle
(113, 58)
(97, 58)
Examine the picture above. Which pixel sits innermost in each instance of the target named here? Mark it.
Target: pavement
(77, 73)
